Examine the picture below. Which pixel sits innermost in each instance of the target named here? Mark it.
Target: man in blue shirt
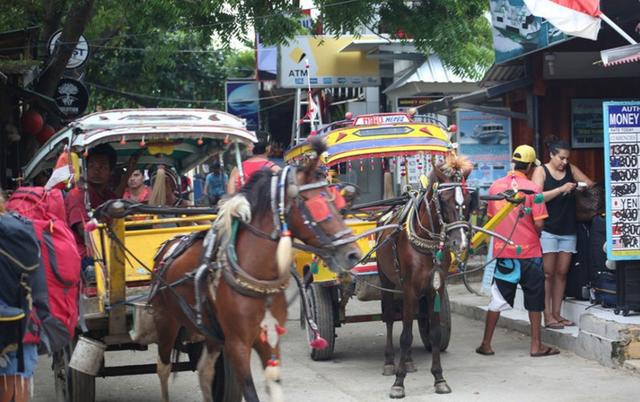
(215, 184)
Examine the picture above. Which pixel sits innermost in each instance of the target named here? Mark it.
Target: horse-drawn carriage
(167, 275)
(405, 267)
(394, 150)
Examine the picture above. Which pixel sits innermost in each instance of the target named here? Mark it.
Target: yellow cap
(526, 154)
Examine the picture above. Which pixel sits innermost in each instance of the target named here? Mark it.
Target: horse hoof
(389, 370)
(410, 367)
(442, 388)
(397, 392)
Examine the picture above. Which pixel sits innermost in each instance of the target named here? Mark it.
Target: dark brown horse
(242, 302)
(416, 259)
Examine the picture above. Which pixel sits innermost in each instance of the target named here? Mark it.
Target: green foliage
(156, 52)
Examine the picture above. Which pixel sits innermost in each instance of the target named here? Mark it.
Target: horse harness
(217, 261)
(408, 217)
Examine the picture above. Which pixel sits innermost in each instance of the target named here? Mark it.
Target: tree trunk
(79, 15)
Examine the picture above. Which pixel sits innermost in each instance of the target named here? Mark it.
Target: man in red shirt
(259, 160)
(101, 161)
(522, 262)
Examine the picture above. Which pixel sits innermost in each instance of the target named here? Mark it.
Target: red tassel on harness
(280, 330)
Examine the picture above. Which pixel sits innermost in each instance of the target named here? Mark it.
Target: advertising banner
(243, 100)
(328, 66)
(517, 32)
(622, 178)
(486, 140)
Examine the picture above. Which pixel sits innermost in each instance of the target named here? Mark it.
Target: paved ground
(355, 373)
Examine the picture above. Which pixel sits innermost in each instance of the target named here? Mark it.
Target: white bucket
(144, 327)
(87, 356)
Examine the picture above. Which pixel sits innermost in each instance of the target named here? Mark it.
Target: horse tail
(235, 207)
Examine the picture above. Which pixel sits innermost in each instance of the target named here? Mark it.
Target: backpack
(19, 259)
(60, 258)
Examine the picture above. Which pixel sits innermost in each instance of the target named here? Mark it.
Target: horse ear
(436, 170)
(319, 147)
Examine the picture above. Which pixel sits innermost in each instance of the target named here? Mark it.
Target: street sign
(72, 97)
(80, 53)
(622, 178)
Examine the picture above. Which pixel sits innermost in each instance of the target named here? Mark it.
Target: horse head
(453, 201)
(314, 215)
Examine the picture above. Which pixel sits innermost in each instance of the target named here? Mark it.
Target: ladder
(302, 125)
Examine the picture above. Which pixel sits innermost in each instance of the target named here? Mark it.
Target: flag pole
(309, 98)
(617, 29)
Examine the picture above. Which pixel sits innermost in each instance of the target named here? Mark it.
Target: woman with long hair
(559, 180)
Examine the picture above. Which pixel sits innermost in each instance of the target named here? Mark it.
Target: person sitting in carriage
(101, 162)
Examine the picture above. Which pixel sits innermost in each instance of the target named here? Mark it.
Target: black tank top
(562, 209)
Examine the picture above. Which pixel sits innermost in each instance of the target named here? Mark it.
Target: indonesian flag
(66, 171)
(573, 17)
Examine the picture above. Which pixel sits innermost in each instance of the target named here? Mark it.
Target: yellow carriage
(384, 155)
(123, 248)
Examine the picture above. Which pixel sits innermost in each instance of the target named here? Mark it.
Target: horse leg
(406, 338)
(388, 315)
(272, 374)
(239, 355)
(435, 335)
(207, 369)
(167, 332)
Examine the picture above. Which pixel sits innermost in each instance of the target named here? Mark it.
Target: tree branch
(79, 16)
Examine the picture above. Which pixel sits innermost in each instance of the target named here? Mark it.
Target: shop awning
(431, 71)
(474, 100)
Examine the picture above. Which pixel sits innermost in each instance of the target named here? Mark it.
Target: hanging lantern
(200, 141)
(44, 134)
(372, 164)
(142, 142)
(361, 165)
(349, 166)
(123, 141)
(32, 122)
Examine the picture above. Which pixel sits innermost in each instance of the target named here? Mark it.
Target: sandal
(481, 351)
(567, 323)
(554, 325)
(549, 351)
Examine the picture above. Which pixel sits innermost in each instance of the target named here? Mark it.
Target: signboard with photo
(622, 179)
(486, 140)
(517, 32)
(243, 100)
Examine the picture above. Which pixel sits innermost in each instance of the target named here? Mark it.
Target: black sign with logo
(72, 97)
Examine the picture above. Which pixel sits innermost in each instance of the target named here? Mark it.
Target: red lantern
(44, 134)
(32, 122)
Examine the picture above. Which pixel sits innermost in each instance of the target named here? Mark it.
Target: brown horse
(416, 260)
(242, 303)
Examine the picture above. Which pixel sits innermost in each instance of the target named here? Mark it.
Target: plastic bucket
(144, 327)
(87, 356)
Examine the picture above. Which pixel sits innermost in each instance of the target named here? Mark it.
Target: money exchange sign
(622, 178)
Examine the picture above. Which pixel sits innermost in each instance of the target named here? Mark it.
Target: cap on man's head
(525, 154)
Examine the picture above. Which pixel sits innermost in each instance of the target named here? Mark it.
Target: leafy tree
(157, 52)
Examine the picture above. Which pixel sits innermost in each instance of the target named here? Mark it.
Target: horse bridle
(432, 196)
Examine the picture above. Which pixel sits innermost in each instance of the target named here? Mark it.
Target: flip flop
(567, 323)
(554, 325)
(480, 351)
(549, 351)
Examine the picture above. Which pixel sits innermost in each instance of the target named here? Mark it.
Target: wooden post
(117, 292)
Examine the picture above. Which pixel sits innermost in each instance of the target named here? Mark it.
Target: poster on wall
(243, 100)
(586, 123)
(622, 178)
(517, 32)
(486, 140)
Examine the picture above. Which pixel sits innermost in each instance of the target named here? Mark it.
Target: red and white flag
(573, 17)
